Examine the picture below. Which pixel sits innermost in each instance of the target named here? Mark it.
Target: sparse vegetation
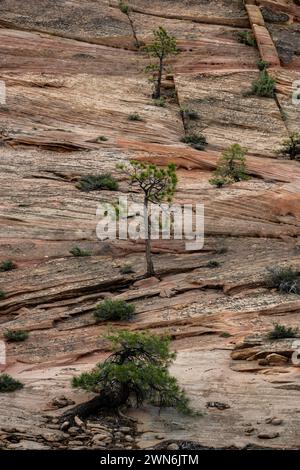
(158, 185)
(213, 264)
(225, 334)
(7, 265)
(285, 279)
(262, 65)
(281, 331)
(2, 294)
(161, 48)
(137, 368)
(114, 310)
(187, 113)
(126, 9)
(9, 384)
(159, 102)
(263, 86)
(231, 166)
(290, 148)
(97, 182)
(102, 138)
(79, 252)
(135, 117)
(197, 141)
(127, 269)
(16, 335)
(246, 37)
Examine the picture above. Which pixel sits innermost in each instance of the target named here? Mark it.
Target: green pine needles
(138, 367)
(231, 166)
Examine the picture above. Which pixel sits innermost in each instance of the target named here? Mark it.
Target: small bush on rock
(79, 252)
(127, 269)
(16, 335)
(285, 279)
(197, 141)
(8, 384)
(246, 37)
(135, 117)
(263, 86)
(2, 294)
(290, 148)
(114, 310)
(7, 265)
(97, 182)
(231, 166)
(281, 331)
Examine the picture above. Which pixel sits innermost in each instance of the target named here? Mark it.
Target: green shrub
(187, 113)
(15, 335)
(127, 269)
(284, 279)
(79, 252)
(102, 138)
(264, 85)
(114, 310)
(2, 294)
(8, 384)
(262, 65)
(231, 166)
(246, 37)
(218, 181)
(225, 334)
(137, 368)
(290, 148)
(160, 102)
(135, 117)
(197, 141)
(281, 331)
(7, 265)
(97, 182)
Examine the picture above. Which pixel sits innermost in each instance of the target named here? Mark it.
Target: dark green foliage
(225, 334)
(197, 141)
(16, 335)
(8, 384)
(285, 279)
(97, 182)
(79, 252)
(159, 102)
(281, 331)
(290, 148)
(190, 114)
(262, 65)
(102, 138)
(164, 45)
(246, 37)
(114, 310)
(218, 181)
(231, 166)
(2, 294)
(213, 264)
(139, 367)
(135, 117)
(7, 265)
(264, 85)
(127, 269)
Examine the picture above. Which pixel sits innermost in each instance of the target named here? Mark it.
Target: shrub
(97, 182)
(160, 102)
(114, 310)
(197, 141)
(78, 252)
(135, 117)
(246, 37)
(262, 65)
(231, 166)
(281, 331)
(102, 138)
(187, 113)
(225, 334)
(138, 367)
(8, 384)
(218, 181)
(127, 269)
(2, 294)
(213, 264)
(264, 85)
(284, 279)
(290, 148)
(16, 335)
(7, 265)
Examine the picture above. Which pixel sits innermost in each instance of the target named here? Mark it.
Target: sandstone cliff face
(72, 75)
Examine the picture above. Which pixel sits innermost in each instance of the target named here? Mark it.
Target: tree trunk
(147, 220)
(159, 79)
(106, 399)
(134, 33)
